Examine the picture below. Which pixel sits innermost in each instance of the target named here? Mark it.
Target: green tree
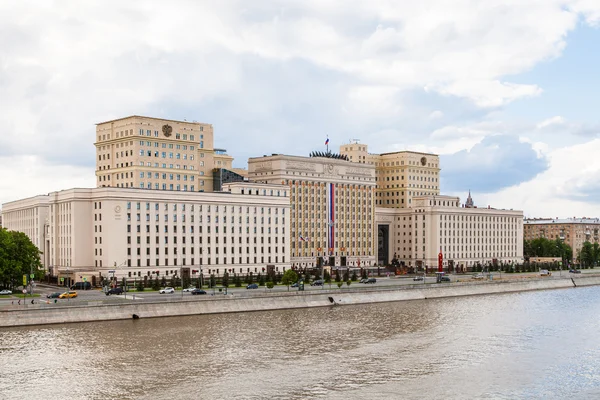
(290, 276)
(163, 281)
(348, 282)
(237, 280)
(225, 280)
(270, 285)
(261, 279)
(595, 253)
(18, 257)
(140, 286)
(156, 284)
(327, 277)
(213, 281)
(586, 255)
(354, 276)
(542, 247)
(527, 249)
(187, 282)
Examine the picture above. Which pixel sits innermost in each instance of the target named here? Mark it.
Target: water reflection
(499, 346)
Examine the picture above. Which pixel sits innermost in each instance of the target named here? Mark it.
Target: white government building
(464, 234)
(352, 210)
(126, 232)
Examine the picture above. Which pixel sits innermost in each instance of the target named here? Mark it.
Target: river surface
(541, 345)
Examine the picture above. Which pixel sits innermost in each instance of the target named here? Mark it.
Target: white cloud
(487, 93)
(27, 176)
(567, 188)
(557, 120)
(373, 100)
(590, 10)
(437, 114)
(540, 148)
(265, 69)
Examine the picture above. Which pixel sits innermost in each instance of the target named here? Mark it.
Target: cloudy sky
(505, 91)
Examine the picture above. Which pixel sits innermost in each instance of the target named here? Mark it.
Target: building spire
(469, 203)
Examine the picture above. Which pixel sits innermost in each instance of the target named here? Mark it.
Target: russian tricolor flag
(327, 141)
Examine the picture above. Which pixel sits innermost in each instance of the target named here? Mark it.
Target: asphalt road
(98, 295)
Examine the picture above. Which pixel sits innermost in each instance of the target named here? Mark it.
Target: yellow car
(68, 295)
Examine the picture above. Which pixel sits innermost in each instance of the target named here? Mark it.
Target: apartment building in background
(161, 154)
(400, 175)
(332, 204)
(572, 231)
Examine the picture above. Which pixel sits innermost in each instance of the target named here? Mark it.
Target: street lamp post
(561, 259)
(181, 278)
(68, 283)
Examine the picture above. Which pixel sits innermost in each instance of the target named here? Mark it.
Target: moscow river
(514, 346)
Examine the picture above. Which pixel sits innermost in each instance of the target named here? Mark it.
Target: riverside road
(96, 295)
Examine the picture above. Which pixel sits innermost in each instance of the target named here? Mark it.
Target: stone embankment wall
(97, 311)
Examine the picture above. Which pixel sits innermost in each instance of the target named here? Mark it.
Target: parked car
(363, 280)
(115, 290)
(371, 280)
(574, 271)
(318, 282)
(81, 286)
(190, 289)
(445, 279)
(252, 286)
(198, 291)
(545, 272)
(295, 284)
(418, 278)
(478, 276)
(54, 295)
(167, 290)
(68, 295)
(5, 292)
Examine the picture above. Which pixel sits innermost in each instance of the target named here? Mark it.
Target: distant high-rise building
(469, 203)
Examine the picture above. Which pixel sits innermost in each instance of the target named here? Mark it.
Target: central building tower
(332, 206)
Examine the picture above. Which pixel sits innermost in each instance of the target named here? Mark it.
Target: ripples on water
(524, 345)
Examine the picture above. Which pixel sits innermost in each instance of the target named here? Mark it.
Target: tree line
(542, 247)
(18, 257)
(589, 255)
